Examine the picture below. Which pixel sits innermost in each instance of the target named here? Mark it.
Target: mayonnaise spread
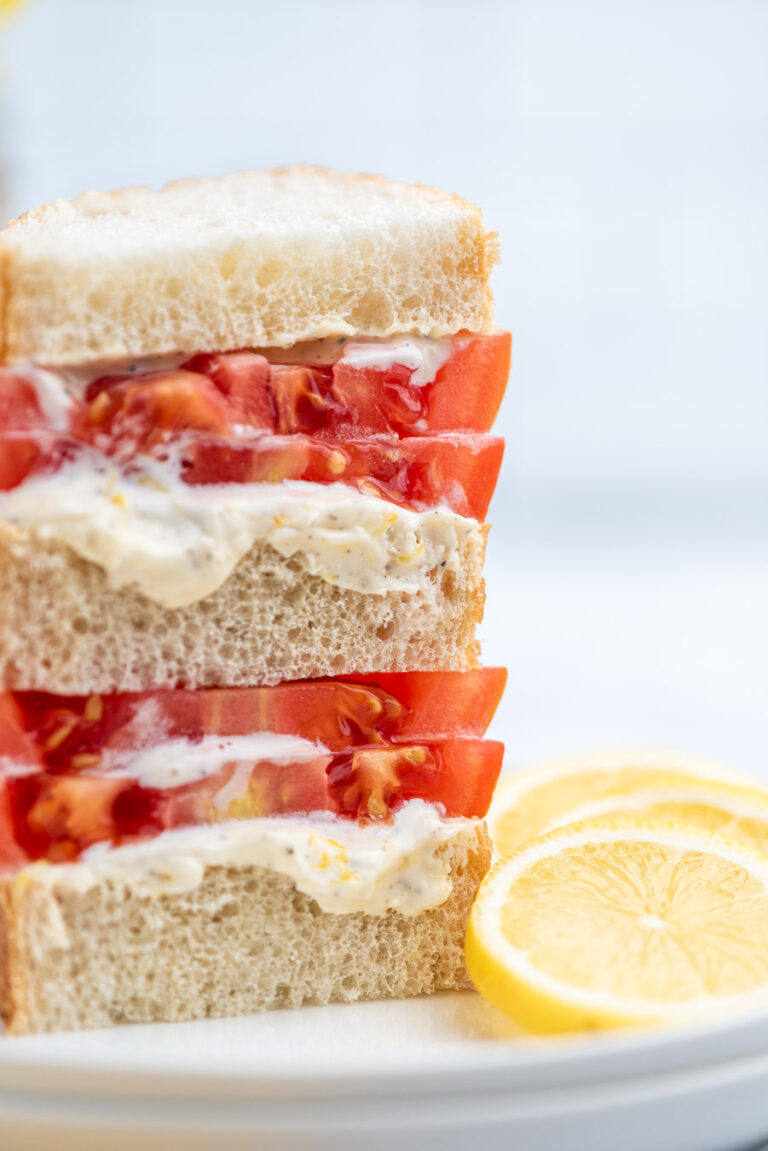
(175, 762)
(178, 543)
(422, 355)
(343, 866)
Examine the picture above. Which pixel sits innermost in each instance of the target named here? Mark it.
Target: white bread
(253, 259)
(64, 629)
(245, 940)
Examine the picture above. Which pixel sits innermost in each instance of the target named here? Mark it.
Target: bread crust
(244, 941)
(252, 259)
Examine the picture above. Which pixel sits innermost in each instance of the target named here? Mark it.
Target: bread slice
(244, 940)
(64, 629)
(248, 260)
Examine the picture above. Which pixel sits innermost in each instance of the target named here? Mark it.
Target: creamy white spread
(345, 867)
(424, 357)
(174, 762)
(54, 398)
(178, 543)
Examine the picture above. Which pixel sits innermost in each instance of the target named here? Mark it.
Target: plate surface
(435, 1072)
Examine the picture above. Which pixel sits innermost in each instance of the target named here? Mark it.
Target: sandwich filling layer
(178, 543)
(343, 866)
(123, 768)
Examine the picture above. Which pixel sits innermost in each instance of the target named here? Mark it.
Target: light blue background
(620, 150)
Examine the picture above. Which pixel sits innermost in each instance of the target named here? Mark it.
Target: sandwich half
(245, 464)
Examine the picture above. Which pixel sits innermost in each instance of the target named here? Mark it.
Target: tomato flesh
(460, 774)
(396, 707)
(385, 739)
(346, 400)
(459, 471)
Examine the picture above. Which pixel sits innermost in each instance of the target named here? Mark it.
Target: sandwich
(245, 465)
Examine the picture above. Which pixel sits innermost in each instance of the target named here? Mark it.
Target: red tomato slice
(219, 392)
(56, 817)
(391, 738)
(460, 775)
(19, 413)
(12, 855)
(65, 732)
(17, 745)
(344, 401)
(243, 377)
(459, 471)
(138, 412)
(471, 382)
(440, 704)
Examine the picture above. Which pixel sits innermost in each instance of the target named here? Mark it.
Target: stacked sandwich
(244, 472)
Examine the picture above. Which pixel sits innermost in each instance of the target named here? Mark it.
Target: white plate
(440, 1072)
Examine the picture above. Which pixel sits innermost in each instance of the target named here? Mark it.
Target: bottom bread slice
(243, 940)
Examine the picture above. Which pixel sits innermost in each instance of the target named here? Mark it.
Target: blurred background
(620, 150)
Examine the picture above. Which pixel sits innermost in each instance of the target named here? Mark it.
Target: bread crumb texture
(253, 259)
(64, 629)
(244, 940)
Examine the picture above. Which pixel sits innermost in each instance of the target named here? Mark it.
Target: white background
(620, 150)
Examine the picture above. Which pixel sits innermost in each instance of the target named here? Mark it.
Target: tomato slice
(471, 382)
(66, 732)
(382, 739)
(458, 471)
(18, 745)
(57, 816)
(236, 418)
(24, 428)
(460, 775)
(243, 378)
(126, 414)
(12, 854)
(223, 392)
(345, 400)
(440, 704)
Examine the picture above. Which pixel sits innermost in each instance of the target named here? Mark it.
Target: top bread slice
(255, 259)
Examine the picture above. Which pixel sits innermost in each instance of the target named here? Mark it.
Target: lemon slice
(530, 801)
(621, 923)
(740, 813)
